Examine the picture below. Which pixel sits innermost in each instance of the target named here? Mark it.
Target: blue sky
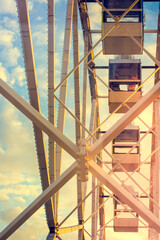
(19, 176)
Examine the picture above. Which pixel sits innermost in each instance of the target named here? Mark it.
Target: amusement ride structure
(124, 196)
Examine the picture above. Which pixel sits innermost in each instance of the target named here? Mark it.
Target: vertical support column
(77, 112)
(100, 188)
(155, 160)
(26, 38)
(92, 127)
(84, 100)
(84, 83)
(51, 101)
(155, 167)
(63, 89)
(76, 72)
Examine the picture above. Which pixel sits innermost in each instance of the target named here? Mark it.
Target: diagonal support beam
(117, 128)
(124, 195)
(38, 119)
(98, 172)
(39, 201)
(102, 176)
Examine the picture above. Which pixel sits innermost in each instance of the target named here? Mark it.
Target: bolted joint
(83, 169)
(117, 24)
(83, 166)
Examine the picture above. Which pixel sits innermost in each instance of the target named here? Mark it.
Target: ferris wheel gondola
(118, 41)
(126, 221)
(120, 147)
(124, 77)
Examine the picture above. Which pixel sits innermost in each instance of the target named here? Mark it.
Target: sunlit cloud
(19, 177)
(40, 37)
(10, 56)
(7, 37)
(32, 229)
(30, 5)
(95, 10)
(17, 141)
(3, 73)
(9, 214)
(39, 18)
(20, 199)
(18, 75)
(11, 24)
(8, 7)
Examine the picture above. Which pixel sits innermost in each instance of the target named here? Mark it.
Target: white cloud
(8, 6)
(11, 24)
(22, 190)
(10, 56)
(40, 38)
(7, 37)
(1, 150)
(151, 48)
(3, 73)
(30, 5)
(20, 199)
(4, 197)
(95, 10)
(12, 178)
(39, 18)
(18, 142)
(18, 75)
(35, 228)
(9, 214)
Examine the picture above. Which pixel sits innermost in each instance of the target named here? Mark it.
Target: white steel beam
(76, 73)
(84, 83)
(155, 159)
(38, 119)
(63, 89)
(39, 201)
(26, 38)
(117, 128)
(155, 168)
(99, 173)
(93, 207)
(124, 195)
(77, 111)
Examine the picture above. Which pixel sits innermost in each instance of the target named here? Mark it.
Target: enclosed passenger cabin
(125, 221)
(124, 78)
(118, 41)
(121, 145)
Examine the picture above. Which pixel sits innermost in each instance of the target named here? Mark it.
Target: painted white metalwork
(151, 215)
(40, 121)
(77, 112)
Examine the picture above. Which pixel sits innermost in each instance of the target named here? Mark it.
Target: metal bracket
(83, 160)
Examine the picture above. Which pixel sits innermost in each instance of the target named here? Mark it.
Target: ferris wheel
(105, 149)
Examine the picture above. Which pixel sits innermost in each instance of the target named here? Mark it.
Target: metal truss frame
(32, 111)
(97, 171)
